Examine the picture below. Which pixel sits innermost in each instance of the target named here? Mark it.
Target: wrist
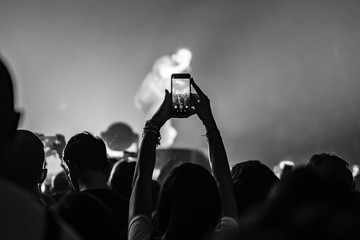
(152, 128)
(155, 122)
(211, 124)
(153, 125)
(211, 131)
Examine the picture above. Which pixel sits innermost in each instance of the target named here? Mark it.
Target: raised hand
(202, 106)
(164, 112)
(218, 158)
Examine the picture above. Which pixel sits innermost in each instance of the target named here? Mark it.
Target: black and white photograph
(179, 119)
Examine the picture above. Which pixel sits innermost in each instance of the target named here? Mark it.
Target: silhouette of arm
(221, 170)
(141, 200)
(217, 153)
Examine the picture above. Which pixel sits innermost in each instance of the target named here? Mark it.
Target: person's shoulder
(15, 197)
(22, 216)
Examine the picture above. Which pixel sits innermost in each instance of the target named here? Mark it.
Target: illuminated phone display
(180, 88)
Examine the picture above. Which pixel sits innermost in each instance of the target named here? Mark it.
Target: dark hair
(318, 160)
(86, 151)
(7, 91)
(189, 203)
(305, 205)
(331, 165)
(252, 183)
(305, 187)
(60, 185)
(24, 159)
(9, 117)
(121, 177)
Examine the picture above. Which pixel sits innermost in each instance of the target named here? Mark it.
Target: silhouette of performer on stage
(152, 90)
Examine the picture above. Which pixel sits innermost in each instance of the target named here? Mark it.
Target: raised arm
(218, 157)
(140, 200)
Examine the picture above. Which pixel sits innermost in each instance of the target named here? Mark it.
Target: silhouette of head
(189, 202)
(252, 182)
(82, 153)
(304, 192)
(9, 117)
(24, 159)
(60, 185)
(330, 165)
(306, 205)
(121, 177)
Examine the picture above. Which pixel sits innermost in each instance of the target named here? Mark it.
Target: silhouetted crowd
(98, 197)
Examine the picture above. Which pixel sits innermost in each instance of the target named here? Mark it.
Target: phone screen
(180, 88)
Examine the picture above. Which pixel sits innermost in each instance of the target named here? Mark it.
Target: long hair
(189, 204)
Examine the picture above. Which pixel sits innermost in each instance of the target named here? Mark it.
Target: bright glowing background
(283, 76)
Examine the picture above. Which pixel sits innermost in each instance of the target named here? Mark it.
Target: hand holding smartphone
(180, 94)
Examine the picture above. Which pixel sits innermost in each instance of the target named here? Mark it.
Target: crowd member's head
(86, 161)
(189, 202)
(306, 205)
(24, 161)
(303, 186)
(9, 117)
(60, 185)
(121, 177)
(332, 166)
(21, 217)
(88, 216)
(252, 182)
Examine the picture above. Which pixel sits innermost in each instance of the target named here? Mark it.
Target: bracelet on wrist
(210, 131)
(152, 125)
(152, 128)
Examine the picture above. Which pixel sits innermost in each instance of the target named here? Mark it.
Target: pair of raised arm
(140, 201)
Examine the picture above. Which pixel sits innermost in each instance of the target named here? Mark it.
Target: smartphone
(180, 93)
